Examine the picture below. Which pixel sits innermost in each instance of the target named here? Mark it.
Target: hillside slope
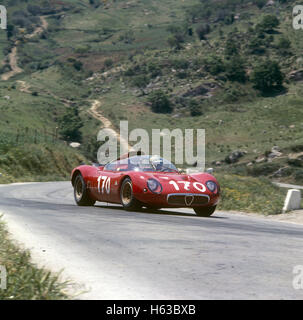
(203, 55)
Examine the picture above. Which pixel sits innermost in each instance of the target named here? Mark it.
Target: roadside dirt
(295, 216)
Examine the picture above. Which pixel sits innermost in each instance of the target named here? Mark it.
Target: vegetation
(38, 162)
(248, 194)
(24, 280)
(267, 76)
(70, 124)
(231, 67)
(160, 102)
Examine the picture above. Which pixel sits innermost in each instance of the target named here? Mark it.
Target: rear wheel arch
(81, 193)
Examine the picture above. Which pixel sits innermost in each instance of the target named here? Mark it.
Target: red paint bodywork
(140, 189)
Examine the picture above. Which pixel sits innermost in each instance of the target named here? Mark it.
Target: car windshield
(142, 163)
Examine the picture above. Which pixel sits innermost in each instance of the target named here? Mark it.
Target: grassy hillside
(206, 57)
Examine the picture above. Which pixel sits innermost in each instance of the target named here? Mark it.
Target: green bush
(256, 46)
(202, 30)
(267, 76)
(160, 102)
(70, 124)
(231, 47)
(268, 24)
(214, 65)
(235, 69)
(195, 108)
(108, 63)
(140, 81)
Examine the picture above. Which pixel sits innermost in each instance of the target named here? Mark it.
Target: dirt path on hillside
(24, 87)
(106, 123)
(13, 62)
(38, 30)
(13, 58)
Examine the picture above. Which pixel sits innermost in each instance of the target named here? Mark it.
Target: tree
(214, 65)
(284, 46)
(260, 3)
(268, 24)
(10, 31)
(140, 81)
(256, 46)
(267, 76)
(202, 30)
(175, 41)
(34, 10)
(231, 47)
(195, 109)
(235, 69)
(160, 102)
(70, 124)
(283, 43)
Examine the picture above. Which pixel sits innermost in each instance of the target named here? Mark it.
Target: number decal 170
(186, 185)
(105, 184)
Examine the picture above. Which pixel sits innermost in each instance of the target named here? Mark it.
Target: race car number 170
(104, 184)
(186, 185)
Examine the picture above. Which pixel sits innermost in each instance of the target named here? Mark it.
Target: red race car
(145, 181)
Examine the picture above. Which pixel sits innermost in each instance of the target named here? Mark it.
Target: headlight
(211, 186)
(154, 186)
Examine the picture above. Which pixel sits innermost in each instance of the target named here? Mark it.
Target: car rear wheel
(205, 211)
(128, 200)
(81, 195)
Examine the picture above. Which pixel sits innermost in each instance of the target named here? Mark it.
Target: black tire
(128, 201)
(205, 211)
(81, 195)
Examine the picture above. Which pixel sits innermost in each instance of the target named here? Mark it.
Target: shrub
(283, 43)
(70, 124)
(160, 102)
(202, 30)
(235, 69)
(260, 3)
(175, 41)
(256, 46)
(195, 108)
(154, 69)
(214, 65)
(231, 47)
(34, 10)
(140, 81)
(268, 24)
(108, 63)
(180, 63)
(267, 75)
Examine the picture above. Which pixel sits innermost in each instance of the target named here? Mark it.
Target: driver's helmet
(157, 162)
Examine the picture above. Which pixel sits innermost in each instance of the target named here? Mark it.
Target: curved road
(115, 254)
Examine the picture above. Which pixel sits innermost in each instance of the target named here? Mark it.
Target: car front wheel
(128, 200)
(205, 211)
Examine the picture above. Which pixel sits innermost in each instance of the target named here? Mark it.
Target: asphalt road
(142, 255)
